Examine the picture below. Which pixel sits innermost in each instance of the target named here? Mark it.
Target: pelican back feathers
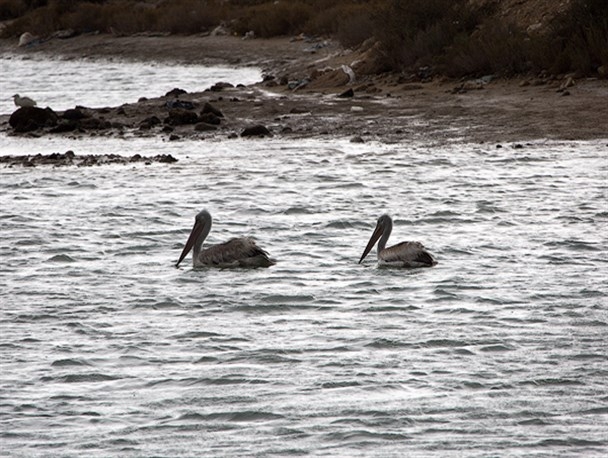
(407, 254)
(236, 252)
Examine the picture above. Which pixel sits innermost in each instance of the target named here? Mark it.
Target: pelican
(404, 254)
(23, 101)
(236, 252)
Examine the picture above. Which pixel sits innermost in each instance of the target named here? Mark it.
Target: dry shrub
(350, 23)
(275, 19)
(190, 16)
(87, 17)
(496, 47)
(357, 24)
(457, 37)
(417, 32)
(577, 39)
(11, 9)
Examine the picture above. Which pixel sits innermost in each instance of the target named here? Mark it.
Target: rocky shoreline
(82, 160)
(309, 91)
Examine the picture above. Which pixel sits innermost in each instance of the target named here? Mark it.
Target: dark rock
(164, 159)
(217, 87)
(357, 139)
(347, 93)
(173, 137)
(210, 118)
(183, 104)
(208, 108)
(149, 122)
(65, 34)
(94, 124)
(175, 92)
(179, 117)
(64, 126)
(69, 158)
(256, 131)
(73, 114)
(204, 127)
(27, 119)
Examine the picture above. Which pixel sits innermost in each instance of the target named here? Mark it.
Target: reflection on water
(107, 349)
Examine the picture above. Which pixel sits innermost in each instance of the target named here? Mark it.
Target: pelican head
(384, 227)
(202, 226)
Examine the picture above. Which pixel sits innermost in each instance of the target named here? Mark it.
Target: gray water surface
(106, 349)
(62, 83)
(109, 350)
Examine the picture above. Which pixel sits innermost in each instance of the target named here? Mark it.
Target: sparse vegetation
(451, 37)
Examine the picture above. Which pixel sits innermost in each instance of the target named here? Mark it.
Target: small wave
(364, 435)
(387, 343)
(533, 421)
(156, 304)
(196, 335)
(288, 299)
(574, 245)
(206, 360)
(236, 416)
(343, 384)
(299, 211)
(81, 378)
(432, 343)
(61, 258)
(69, 362)
(595, 411)
(552, 381)
(497, 348)
(570, 442)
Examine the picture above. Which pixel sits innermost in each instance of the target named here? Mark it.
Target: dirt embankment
(300, 96)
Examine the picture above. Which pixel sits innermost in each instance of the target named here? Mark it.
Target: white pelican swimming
(23, 101)
(404, 254)
(236, 252)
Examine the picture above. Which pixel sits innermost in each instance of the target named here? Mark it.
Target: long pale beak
(372, 241)
(196, 231)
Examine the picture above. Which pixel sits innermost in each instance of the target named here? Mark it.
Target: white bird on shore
(23, 101)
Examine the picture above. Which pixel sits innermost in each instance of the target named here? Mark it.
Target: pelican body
(23, 101)
(404, 254)
(236, 252)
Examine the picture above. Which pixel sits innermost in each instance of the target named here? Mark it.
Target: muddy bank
(307, 92)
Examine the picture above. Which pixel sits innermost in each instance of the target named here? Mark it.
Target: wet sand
(386, 107)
